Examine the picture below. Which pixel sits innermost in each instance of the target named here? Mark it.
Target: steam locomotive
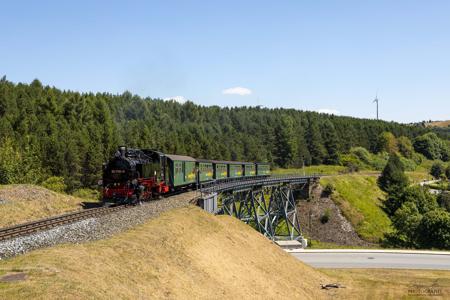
(135, 175)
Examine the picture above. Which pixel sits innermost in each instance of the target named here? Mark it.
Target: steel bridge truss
(271, 210)
(266, 203)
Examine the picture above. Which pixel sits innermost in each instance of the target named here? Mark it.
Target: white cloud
(329, 111)
(241, 91)
(179, 99)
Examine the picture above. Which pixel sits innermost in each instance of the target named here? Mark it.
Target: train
(135, 175)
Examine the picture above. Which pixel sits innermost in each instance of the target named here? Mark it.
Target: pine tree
(303, 155)
(331, 143)
(315, 145)
(393, 177)
(285, 143)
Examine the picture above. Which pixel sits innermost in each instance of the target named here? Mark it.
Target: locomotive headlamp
(134, 181)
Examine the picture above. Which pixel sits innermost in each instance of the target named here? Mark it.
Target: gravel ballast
(93, 228)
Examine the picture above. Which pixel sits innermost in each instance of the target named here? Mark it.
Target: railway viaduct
(267, 204)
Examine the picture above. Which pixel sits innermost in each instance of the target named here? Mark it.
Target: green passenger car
(205, 171)
(262, 169)
(220, 169)
(249, 169)
(181, 170)
(235, 169)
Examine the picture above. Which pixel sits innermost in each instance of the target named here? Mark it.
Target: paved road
(379, 259)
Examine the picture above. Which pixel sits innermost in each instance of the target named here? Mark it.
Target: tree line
(419, 218)
(45, 131)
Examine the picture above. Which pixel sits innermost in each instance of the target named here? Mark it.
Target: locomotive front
(120, 180)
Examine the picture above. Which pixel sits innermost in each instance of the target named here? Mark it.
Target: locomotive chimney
(122, 150)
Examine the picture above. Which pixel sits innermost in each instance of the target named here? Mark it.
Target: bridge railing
(227, 184)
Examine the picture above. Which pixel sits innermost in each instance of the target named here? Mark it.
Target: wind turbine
(376, 100)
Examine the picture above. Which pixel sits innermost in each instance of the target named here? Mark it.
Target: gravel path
(93, 228)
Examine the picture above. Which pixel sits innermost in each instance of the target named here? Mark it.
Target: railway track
(48, 223)
(55, 221)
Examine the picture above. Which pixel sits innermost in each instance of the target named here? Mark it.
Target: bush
(434, 230)
(421, 197)
(431, 146)
(387, 142)
(359, 158)
(55, 183)
(418, 158)
(90, 194)
(408, 164)
(437, 170)
(406, 222)
(352, 162)
(444, 200)
(328, 190)
(362, 154)
(18, 164)
(378, 161)
(326, 216)
(405, 146)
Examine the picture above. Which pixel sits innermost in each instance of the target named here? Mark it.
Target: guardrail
(223, 185)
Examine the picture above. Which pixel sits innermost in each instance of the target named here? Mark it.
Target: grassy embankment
(360, 201)
(189, 254)
(184, 254)
(422, 172)
(311, 170)
(23, 203)
(359, 197)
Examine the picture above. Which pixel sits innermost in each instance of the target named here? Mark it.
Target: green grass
(422, 172)
(315, 244)
(360, 200)
(418, 176)
(90, 195)
(309, 170)
(444, 186)
(425, 166)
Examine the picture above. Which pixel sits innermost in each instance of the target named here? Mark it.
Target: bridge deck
(251, 182)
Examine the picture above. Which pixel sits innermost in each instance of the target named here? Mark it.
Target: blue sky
(309, 55)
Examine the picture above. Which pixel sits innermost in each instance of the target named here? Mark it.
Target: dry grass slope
(438, 124)
(23, 203)
(184, 254)
(394, 284)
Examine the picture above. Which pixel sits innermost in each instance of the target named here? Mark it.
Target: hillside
(45, 131)
(360, 200)
(23, 203)
(438, 124)
(185, 253)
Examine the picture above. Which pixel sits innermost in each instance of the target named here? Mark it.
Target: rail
(214, 186)
(35, 226)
